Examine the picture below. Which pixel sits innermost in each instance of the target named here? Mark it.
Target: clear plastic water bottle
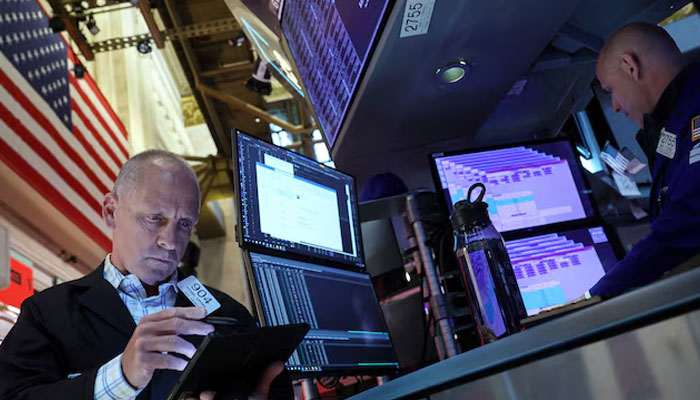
(488, 273)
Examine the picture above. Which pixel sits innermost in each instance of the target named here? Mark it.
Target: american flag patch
(695, 128)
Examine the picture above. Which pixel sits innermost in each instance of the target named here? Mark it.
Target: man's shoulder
(63, 290)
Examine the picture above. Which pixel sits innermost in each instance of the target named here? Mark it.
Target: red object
(21, 284)
(58, 133)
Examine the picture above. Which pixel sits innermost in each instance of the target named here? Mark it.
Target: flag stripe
(41, 166)
(89, 127)
(16, 112)
(103, 106)
(32, 114)
(93, 137)
(86, 107)
(39, 182)
(26, 136)
(96, 91)
(102, 162)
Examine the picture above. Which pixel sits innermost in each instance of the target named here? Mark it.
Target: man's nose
(166, 236)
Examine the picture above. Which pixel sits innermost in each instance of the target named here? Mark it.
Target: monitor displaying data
(348, 334)
(292, 204)
(558, 268)
(526, 186)
(330, 42)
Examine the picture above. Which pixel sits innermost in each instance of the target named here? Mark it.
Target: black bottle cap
(468, 212)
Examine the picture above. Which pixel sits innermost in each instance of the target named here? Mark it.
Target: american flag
(57, 132)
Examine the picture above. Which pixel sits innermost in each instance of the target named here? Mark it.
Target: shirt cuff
(110, 383)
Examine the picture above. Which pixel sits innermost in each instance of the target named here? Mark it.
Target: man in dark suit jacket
(111, 334)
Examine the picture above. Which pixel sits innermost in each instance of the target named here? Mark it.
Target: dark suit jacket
(78, 326)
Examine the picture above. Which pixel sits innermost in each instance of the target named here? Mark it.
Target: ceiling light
(260, 81)
(91, 25)
(56, 24)
(79, 70)
(144, 47)
(452, 72)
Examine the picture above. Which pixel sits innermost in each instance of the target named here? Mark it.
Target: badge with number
(667, 144)
(198, 294)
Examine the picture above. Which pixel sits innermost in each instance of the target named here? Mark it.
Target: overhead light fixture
(91, 25)
(238, 40)
(56, 24)
(143, 46)
(260, 81)
(453, 72)
(79, 70)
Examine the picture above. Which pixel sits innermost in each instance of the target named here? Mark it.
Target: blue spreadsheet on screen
(558, 268)
(526, 186)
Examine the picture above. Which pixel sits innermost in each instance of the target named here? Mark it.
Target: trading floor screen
(347, 328)
(330, 42)
(526, 186)
(293, 204)
(560, 267)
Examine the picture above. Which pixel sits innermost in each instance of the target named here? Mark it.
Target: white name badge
(667, 144)
(198, 294)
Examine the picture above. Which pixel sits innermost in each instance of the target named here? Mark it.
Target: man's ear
(629, 63)
(109, 206)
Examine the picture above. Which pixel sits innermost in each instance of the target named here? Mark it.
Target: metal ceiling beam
(72, 29)
(240, 66)
(219, 134)
(252, 110)
(158, 38)
(186, 32)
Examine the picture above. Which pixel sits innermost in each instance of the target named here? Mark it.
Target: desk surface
(673, 296)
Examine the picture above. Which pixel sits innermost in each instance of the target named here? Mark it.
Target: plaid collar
(131, 285)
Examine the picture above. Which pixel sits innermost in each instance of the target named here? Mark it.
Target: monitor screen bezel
(594, 219)
(352, 266)
(260, 316)
(370, 53)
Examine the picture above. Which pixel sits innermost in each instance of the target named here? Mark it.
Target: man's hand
(261, 390)
(158, 334)
(268, 375)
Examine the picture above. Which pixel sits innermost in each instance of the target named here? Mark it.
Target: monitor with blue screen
(526, 185)
(558, 268)
(348, 334)
(292, 204)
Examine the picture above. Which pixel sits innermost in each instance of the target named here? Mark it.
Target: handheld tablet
(230, 361)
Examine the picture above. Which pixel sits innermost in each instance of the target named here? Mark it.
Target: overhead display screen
(330, 42)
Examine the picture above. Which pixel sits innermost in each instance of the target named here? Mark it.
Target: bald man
(650, 81)
(115, 333)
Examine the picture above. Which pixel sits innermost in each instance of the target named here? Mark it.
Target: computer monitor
(526, 185)
(557, 268)
(348, 334)
(292, 204)
(330, 42)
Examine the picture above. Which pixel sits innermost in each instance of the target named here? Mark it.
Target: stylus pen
(226, 321)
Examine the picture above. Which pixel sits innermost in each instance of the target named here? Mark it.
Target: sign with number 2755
(416, 17)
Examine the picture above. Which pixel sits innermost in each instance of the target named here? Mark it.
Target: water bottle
(489, 278)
